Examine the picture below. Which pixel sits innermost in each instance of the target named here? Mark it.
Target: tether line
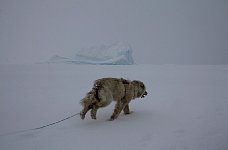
(41, 127)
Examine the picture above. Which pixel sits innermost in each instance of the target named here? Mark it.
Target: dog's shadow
(103, 119)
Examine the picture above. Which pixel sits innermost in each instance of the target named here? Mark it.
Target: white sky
(159, 31)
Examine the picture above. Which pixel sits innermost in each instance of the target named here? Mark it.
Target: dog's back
(110, 87)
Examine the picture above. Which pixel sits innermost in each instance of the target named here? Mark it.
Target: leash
(41, 127)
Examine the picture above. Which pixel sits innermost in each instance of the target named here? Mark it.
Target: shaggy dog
(106, 90)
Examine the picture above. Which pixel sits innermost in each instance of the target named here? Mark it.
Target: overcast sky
(159, 31)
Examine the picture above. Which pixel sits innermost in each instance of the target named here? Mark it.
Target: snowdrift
(116, 54)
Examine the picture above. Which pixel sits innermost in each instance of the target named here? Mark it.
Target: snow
(116, 54)
(186, 108)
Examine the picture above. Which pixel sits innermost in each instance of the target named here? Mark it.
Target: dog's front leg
(93, 112)
(126, 109)
(117, 110)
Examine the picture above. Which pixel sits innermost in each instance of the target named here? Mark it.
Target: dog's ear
(142, 86)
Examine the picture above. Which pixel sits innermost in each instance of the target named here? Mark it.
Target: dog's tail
(96, 89)
(94, 93)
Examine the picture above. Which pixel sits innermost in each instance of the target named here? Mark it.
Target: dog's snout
(144, 94)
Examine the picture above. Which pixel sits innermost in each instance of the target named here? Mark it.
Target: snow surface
(117, 54)
(185, 109)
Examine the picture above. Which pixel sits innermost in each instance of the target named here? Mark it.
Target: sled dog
(106, 90)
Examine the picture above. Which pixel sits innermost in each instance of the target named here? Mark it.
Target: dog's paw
(110, 119)
(82, 116)
(93, 117)
(113, 117)
(127, 113)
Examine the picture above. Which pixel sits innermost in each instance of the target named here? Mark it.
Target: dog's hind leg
(93, 112)
(84, 111)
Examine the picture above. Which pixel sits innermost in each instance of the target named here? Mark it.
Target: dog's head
(140, 88)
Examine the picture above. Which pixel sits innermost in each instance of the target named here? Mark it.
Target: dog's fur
(106, 90)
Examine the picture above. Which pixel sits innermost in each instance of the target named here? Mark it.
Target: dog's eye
(142, 86)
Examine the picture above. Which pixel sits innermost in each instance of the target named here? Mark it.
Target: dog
(106, 90)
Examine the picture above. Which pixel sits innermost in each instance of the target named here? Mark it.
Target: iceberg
(115, 54)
